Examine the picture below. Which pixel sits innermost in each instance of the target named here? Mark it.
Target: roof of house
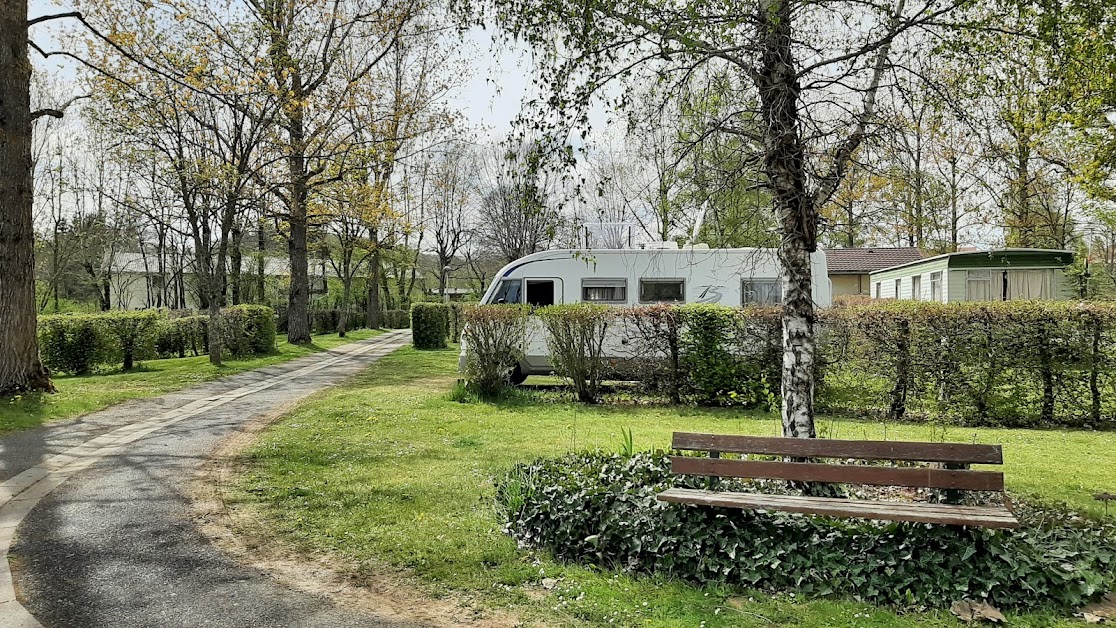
(995, 258)
(862, 261)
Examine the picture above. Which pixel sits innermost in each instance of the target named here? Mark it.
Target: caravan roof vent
(699, 247)
(669, 244)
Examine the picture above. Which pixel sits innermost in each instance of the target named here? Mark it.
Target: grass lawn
(79, 395)
(388, 469)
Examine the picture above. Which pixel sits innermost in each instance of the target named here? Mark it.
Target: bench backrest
(956, 455)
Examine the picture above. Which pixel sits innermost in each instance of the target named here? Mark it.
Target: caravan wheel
(517, 376)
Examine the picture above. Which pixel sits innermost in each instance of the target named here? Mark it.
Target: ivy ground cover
(389, 469)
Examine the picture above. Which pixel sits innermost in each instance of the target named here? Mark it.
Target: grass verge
(82, 394)
(389, 468)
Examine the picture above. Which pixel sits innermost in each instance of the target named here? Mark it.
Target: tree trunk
(346, 290)
(298, 303)
(784, 164)
(235, 263)
(20, 367)
(261, 266)
(374, 314)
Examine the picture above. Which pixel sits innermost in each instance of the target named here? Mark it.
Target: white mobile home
(622, 277)
(998, 275)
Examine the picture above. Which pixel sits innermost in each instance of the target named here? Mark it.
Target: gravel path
(94, 514)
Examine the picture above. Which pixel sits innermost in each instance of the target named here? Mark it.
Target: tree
(517, 214)
(448, 218)
(20, 367)
(789, 73)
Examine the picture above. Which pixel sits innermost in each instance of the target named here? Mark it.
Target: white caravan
(657, 274)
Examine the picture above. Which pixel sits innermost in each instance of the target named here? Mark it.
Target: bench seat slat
(920, 512)
(915, 477)
(959, 453)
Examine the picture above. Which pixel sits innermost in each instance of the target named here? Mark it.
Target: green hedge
(600, 508)
(1018, 364)
(73, 343)
(81, 343)
(1022, 363)
(430, 325)
(248, 330)
(396, 319)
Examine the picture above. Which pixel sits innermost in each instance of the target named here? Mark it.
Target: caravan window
(1030, 284)
(916, 287)
(761, 291)
(508, 292)
(540, 292)
(936, 287)
(978, 285)
(604, 290)
(655, 290)
(898, 288)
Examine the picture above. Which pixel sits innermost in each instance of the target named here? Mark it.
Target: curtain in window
(1030, 284)
(978, 285)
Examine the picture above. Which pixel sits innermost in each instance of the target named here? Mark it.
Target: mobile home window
(916, 288)
(978, 285)
(898, 288)
(653, 290)
(604, 290)
(936, 286)
(878, 289)
(761, 291)
(1030, 284)
(508, 292)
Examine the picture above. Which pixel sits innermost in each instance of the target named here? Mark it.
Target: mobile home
(626, 277)
(997, 275)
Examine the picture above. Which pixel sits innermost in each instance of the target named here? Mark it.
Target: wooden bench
(951, 473)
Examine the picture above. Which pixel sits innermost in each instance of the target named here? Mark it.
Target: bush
(575, 338)
(430, 324)
(729, 355)
(248, 330)
(494, 335)
(131, 333)
(600, 508)
(396, 319)
(1016, 364)
(176, 335)
(72, 343)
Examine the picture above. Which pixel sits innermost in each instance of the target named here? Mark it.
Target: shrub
(396, 319)
(248, 330)
(178, 334)
(132, 333)
(654, 351)
(72, 343)
(494, 337)
(430, 324)
(600, 508)
(725, 355)
(575, 338)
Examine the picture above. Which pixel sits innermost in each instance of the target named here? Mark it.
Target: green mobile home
(998, 275)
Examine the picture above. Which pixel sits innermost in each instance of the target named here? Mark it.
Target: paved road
(102, 535)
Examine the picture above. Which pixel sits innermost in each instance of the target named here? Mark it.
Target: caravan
(660, 273)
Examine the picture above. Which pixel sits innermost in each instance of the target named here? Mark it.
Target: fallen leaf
(962, 610)
(1091, 618)
(984, 610)
(968, 610)
(549, 583)
(1105, 609)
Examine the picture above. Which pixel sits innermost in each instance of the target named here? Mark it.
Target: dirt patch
(388, 593)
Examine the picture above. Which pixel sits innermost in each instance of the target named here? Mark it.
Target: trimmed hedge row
(600, 508)
(80, 343)
(1021, 363)
(430, 325)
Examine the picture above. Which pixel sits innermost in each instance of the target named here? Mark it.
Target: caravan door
(539, 292)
